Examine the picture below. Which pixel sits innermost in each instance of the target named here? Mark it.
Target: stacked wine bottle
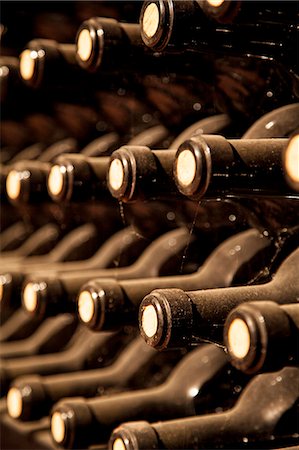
(149, 273)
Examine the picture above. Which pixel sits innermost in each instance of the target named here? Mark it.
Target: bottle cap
(239, 338)
(14, 402)
(116, 174)
(56, 180)
(86, 308)
(28, 64)
(58, 428)
(13, 184)
(166, 318)
(150, 20)
(291, 162)
(84, 44)
(30, 296)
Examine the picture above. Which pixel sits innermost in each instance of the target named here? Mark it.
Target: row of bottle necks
(183, 61)
(227, 275)
(260, 336)
(243, 297)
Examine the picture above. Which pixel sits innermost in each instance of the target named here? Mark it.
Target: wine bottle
(214, 124)
(82, 177)
(14, 433)
(140, 173)
(47, 63)
(175, 26)
(122, 298)
(38, 243)
(249, 424)
(17, 100)
(120, 375)
(279, 123)
(179, 317)
(214, 166)
(101, 145)
(14, 236)
(177, 100)
(120, 250)
(262, 336)
(26, 182)
(160, 22)
(30, 153)
(18, 326)
(85, 350)
(52, 335)
(136, 172)
(56, 70)
(75, 244)
(78, 243)
(52, 294)
(291, 163)
(105, 45)
(187, 391)
(236, 62)
(250, 13)
(78, 178)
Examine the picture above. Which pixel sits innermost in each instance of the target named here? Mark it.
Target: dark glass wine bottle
(180, 317)
(291, 163)
(187, 391)
(47, 63)
(105, 303)
(78, 177)
(137, 172)
(266, 413)
(214, 166)
(26, 182)
(262, 336)
(85, 350)
(14, 236)
(248, 171)
(50, 337)
(252, 71)
(83, 177)
(120, 250)
(76, 244)
(176, 25)
(136, 361)
(105, 45)
(39, 242)
(18, 326)
(279, 123)
(239, 12)
(46, 294)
